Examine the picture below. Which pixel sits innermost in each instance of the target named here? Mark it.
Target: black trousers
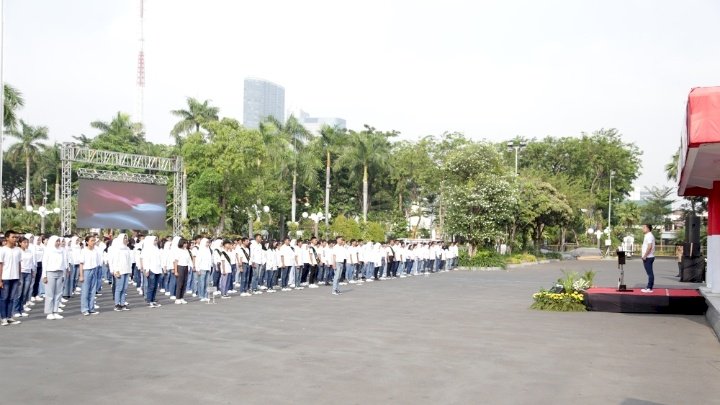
(181, 281)
(305, 273)
(312, 276)
(36, 284)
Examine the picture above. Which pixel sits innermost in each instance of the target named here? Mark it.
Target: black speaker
(691, 249)
(693, 269)
(692, 228)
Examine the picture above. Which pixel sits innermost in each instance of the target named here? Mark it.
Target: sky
(492, 70)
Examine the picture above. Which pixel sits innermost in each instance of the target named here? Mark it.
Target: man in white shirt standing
(10, 256)
(648, 256)
(256, 264)
(89, 260)
(340, 256)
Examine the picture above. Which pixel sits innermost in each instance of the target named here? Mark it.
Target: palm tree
(82, 139)
(13, 101)
(28, 147)
(295, 134)
(364, 150)
(120, 134)
(330, 138)
(195, 116)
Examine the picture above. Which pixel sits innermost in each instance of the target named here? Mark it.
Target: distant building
(313, 124)
(261, 99)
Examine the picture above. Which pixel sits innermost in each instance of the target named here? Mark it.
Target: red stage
(660, 301)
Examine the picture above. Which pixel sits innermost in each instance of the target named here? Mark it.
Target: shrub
(552, 255)
(522, 258)
(482, 258)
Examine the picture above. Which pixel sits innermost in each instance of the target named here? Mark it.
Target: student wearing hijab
(52, 277)
(39, 250)
(182, 259)
(151, 266)
(89, 260)
(120, 262)
(203, 266)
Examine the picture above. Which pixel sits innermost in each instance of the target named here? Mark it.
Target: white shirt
(27, 261)
(648, 239)
(255, 253)
(10, 258)
(90, 259)
(288, 256)
(182, 257)
(341, 253)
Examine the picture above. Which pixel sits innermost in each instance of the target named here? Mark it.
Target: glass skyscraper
(261, 99)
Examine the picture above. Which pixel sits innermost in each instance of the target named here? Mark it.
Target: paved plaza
(451, 338)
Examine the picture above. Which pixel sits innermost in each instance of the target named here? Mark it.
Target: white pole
(2, 100)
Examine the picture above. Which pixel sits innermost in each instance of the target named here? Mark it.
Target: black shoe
(117, 308)
(124, 308)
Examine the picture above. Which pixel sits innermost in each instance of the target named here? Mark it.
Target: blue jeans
(349, 271)
(245, 279)
(9, 295)
(269, 278)
(202, 284)
(339, 269)
(256, 276)
(87, 292)
(152, 286)
(191, 284)
(121, 285)
(70, 277)
(24, 293)
(369, 268)
(172, 283)
(98, 278)
(648, 264)
(298, 276)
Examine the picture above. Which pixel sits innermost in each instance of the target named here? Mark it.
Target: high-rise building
(262, 99)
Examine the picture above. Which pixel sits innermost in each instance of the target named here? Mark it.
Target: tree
(365, 150)
(295, 134)
(540, 205)
(220, 171)
(119, 135)
(28, 147)
(196, 115)
(83, 140)
(330, 140)
(13, 101)
(628, 213)
(657, 206)
(671, 168)
(479, 194)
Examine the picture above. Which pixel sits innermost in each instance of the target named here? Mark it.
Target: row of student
(57, 268)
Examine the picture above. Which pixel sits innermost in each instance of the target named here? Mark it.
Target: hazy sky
(489, 69)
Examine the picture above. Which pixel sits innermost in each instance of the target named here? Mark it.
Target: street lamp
(43, 212)
(612, 173)
(517, 145)
(316, 218)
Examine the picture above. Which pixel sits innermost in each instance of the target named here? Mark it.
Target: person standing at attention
(89, 259)
(648, 256)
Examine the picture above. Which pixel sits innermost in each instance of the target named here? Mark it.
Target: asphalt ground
(451, 338)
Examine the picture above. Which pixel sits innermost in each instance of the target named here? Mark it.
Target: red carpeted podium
(660, 301)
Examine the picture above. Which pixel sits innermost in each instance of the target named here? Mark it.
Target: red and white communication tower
(140, 84)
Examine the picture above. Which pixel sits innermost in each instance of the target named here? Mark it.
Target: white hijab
(52, 256)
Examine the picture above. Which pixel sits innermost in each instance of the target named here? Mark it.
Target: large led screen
(117, 205)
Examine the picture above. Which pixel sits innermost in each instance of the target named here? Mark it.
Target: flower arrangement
(566, 295)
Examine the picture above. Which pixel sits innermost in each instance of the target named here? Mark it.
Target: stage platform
(660, 301)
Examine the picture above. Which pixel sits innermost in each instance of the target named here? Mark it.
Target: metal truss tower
(140, 83)
(70, 153)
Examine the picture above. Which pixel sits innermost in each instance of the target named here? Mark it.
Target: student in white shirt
(38, 248)
(120, 262)
(287, 260)
(313, 255)
(182, 260)
(648, 257)
(256, 263)
(27, 268)
(52, 276)
(152, 267)
(340, 258)
(270, 265)
(9, 278)
(225, 268)
(89, 260)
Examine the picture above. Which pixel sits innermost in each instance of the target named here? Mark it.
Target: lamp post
(612, 173)
(517, 145)
(43, 212)
(316, 218)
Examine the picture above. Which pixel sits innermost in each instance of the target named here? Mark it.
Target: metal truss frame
(127, 177)
(70, 153)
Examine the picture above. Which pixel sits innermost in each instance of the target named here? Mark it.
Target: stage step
(660, 301)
